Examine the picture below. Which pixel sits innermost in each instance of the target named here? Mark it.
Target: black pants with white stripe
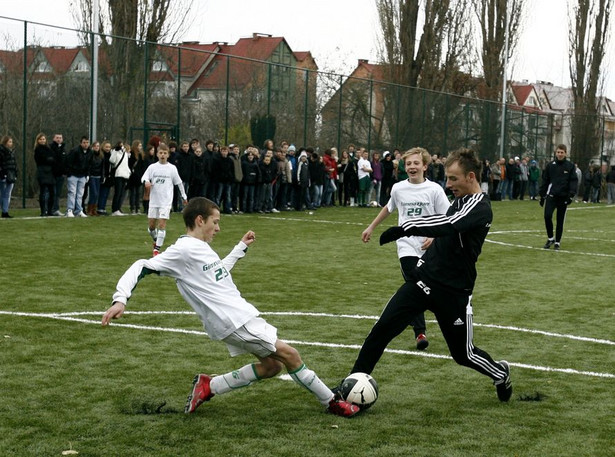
(418, 321)
(453, 312)
(551, 205)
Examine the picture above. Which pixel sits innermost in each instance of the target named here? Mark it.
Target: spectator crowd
(270, 179)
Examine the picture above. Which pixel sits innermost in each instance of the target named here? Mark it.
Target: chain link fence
(48, 84)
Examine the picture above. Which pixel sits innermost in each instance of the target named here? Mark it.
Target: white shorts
(255, 337)
(159, 212)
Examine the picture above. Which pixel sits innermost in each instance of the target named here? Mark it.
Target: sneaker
(504, 386)
(342, 408)
(201, 392)
(556, 247)
(548, 244)
(82, 214)
(275, 210)
(69, 213)
(421, 342)
(57, 213)
(117, 213)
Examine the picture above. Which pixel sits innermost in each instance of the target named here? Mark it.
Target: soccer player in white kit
(160, 178)
(412, 197)
(204, 281)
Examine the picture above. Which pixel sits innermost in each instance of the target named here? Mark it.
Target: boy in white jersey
(205, 282)
(415, 196)
(160, 178)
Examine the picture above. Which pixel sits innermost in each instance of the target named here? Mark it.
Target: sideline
(72, 317)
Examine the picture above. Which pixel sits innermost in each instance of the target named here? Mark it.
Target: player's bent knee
(288, 355)
(270, 367)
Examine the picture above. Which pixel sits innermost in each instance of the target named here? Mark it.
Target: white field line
(72, 318)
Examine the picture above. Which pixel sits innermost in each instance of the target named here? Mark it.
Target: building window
(82, 67)
(43, 67)
(159, 65)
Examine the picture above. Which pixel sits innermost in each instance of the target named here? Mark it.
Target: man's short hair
(163, 147)
(562, 147)
(198, 206)
(425, 156)
(468, 161)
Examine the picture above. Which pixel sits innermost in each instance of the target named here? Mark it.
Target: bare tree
(424, 45)
(130, 30)
(492, 17)
(416, 57)
(588, 36)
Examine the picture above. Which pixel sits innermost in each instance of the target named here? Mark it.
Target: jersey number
(221, 273)
(414, 211)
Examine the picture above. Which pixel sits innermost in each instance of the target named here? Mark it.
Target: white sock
(153, 233)
(160, 237)
(237, 379)
(308, 379)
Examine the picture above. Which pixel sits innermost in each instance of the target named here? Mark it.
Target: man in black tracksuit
(444, 277)
(559, 186)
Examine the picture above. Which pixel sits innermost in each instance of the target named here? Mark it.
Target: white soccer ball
(373, 204)
(360, 389)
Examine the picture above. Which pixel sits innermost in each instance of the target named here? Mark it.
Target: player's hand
(426, 243)
(115, 312)
(542, 201)
(391, 234)
(366, 235)
(249, 238)
(184, 202)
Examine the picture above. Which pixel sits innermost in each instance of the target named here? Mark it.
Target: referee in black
(444, 277)
(559, 186)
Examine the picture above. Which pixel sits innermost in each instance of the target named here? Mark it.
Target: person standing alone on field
(559, 186)
(159, 179)
(444, 278)
(413, 197)
(205, 282)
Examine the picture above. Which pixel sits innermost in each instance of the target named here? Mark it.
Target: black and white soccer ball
(360, 389)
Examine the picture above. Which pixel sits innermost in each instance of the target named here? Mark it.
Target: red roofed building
(362, 109)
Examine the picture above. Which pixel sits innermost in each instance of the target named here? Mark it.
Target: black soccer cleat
(503, 386)
(556, 247)
(421, 342)
(548, 244)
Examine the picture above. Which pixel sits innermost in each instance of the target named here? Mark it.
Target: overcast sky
(339, 32)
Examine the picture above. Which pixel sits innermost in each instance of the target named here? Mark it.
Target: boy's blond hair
(425, 156)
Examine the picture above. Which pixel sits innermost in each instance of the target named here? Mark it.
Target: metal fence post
(227, 99)
(179, 92)
(24, 125)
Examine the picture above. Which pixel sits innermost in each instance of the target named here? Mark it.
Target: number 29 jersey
(412, 200)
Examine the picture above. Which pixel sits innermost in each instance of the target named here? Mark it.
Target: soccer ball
(360, 389)
(374, 204)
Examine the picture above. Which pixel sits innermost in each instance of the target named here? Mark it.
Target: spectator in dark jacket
(8, 173)
(268, 171)
(59, 169)
(95, 174)
(183, 162)
(222, 172)
(610, 186)
(77, 171)
(44, 158)
(251, 176)
(318, 173)
(303, 179)
(199, 175)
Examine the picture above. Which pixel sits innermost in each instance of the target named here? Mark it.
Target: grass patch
(121, 391)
